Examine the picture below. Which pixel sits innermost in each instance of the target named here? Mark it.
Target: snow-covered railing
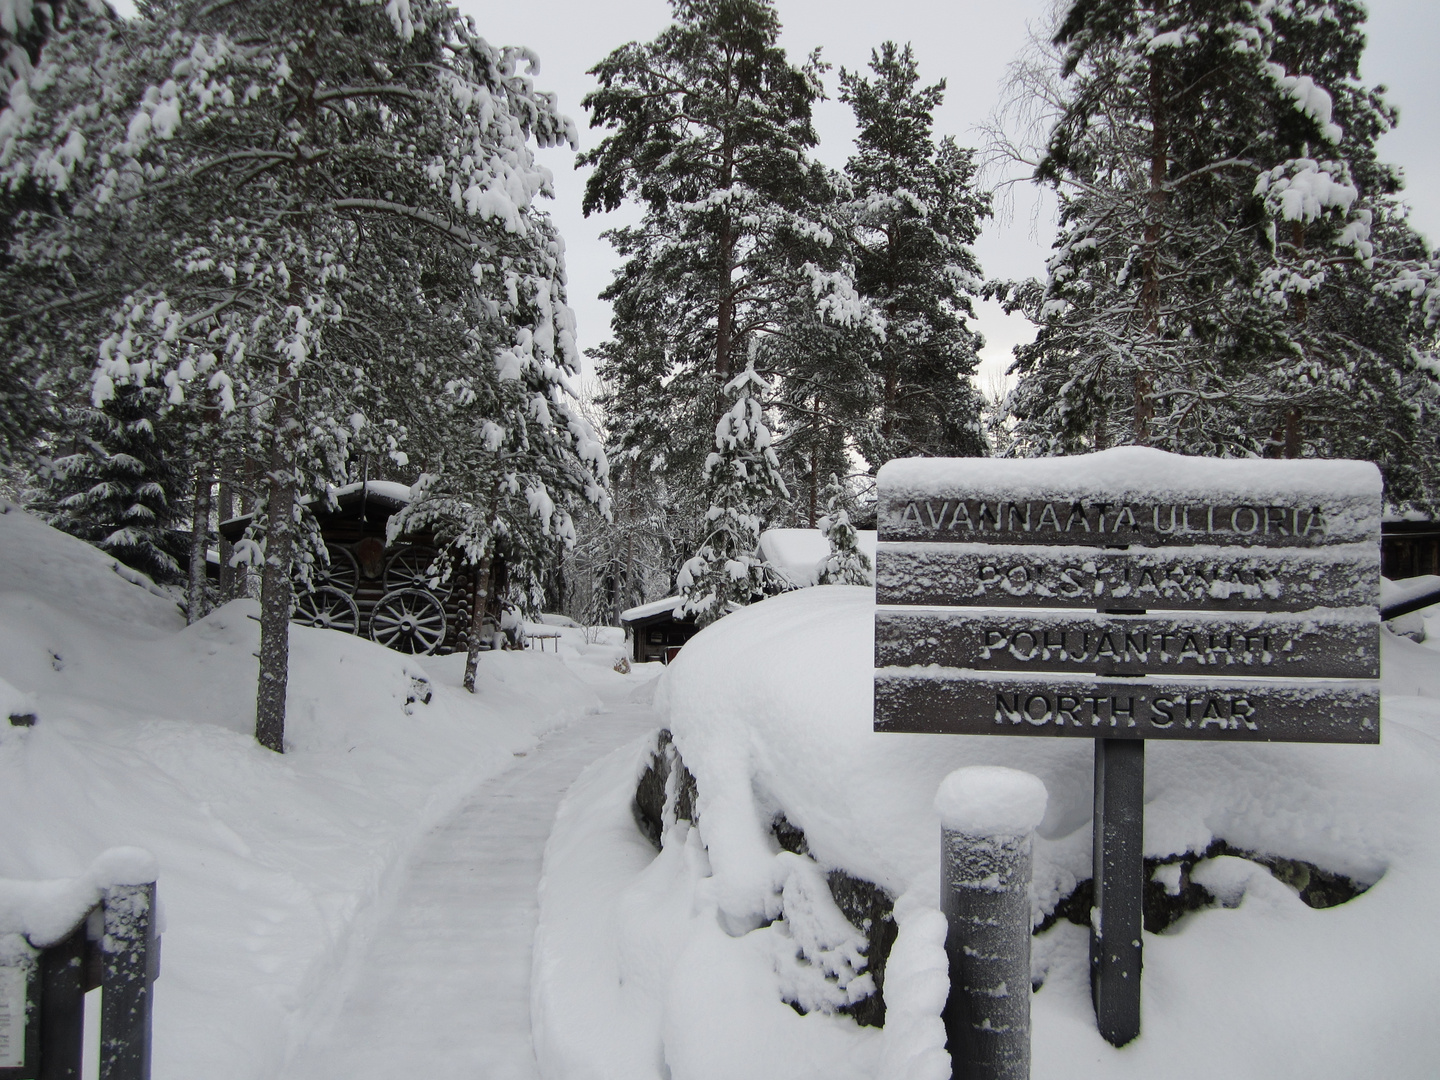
(62, 938)
(1406, 605)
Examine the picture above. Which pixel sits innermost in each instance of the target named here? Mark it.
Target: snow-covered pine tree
(300, 210)
(709, 130)
(1228, 274)
(918, 213)
(520, 458)
(846, 564)
(742, 477)
(31, 394)
(122, 485)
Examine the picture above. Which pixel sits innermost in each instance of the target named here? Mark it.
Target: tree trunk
(1154, 211)
(275, 589)
(199, 543)
(225, 510)
(479, 602)
(1292, 431)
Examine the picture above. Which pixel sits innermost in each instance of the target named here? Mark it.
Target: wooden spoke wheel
(343, 573)
(409, 568)
(408, 620)
(328, 608)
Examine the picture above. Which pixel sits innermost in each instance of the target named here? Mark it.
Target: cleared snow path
(444, 992)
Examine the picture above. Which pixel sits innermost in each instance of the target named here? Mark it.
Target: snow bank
(771, 710)
(272, 870)
(798, 553)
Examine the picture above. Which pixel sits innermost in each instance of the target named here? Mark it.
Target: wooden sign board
(1239, 597)
(1124, 596)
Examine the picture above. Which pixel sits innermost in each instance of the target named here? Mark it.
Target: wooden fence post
(988, 816)
(129, 966)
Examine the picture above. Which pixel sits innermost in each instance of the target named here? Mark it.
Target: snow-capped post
(129, 963)
(60, 939)
(1127, 595)
(988, 816)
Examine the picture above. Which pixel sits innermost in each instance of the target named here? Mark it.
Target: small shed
(374, 587)
(656, 634)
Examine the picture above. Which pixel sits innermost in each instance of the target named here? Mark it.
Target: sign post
(1121, 596)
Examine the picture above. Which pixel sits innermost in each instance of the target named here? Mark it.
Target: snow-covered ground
(363, 905)
(273, 871)
(679, 965)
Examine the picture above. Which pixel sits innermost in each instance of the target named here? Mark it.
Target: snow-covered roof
(654, 607)
(797, 553)
(386, 489)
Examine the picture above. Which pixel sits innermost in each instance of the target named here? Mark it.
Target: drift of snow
(270, 869)
(668, 965)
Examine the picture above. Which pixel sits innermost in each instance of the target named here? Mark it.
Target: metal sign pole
(1117, 918)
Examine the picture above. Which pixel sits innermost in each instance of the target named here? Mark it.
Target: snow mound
(272, 869)
(57, 569)
(771, 710)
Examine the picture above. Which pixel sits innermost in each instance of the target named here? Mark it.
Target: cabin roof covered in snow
(654, 607)
(382, 494)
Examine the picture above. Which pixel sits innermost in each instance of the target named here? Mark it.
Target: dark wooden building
(1409, 548)
(656, 634)
(377, 588)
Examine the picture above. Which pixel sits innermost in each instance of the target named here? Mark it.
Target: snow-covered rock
(683, 972)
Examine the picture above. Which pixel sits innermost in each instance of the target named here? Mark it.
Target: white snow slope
(272, 869)
(669, 966)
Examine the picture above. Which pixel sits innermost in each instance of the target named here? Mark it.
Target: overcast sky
(968, 43)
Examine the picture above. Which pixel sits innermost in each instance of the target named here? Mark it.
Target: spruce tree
(918, 213)
(122, 486)
(742, 477)
(1228, 275)
(846, 564)
(709, 131)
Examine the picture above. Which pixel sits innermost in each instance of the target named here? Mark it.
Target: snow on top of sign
(990, 800)
(1138, 471)
(46, 911)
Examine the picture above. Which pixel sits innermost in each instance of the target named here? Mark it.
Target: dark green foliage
(708, 130)
(122, 487)
(1233, 274)
(918, 213)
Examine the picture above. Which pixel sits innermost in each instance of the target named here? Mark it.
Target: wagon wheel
(343, 573)
(327, 608)
(409, 568)
(408, 620)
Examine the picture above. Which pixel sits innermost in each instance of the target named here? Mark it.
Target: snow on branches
(741, 475)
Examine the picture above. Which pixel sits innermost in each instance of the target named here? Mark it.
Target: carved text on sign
(1113, 519)
(1250, 710)
(1013, 576)
(1331, 643)
(1134, 646)
(1221, 710)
